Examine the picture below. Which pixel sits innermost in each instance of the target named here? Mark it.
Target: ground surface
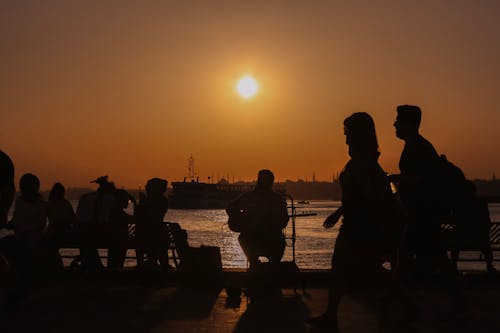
(146, 308)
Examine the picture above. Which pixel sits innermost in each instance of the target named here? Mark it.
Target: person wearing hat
(92, 218)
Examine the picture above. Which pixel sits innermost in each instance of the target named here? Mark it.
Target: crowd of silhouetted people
(39, 228)
(385, 218)
(396, 219)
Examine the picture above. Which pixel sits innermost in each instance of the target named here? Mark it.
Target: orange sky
(132, 88)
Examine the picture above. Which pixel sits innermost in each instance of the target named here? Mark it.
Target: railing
(293, 215)
(172, 230)
(456, 242)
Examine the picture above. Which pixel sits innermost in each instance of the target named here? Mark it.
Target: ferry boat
(198, 195)
(193, 194)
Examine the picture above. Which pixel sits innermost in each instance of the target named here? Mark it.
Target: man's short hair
(410, 114)
(265, 177)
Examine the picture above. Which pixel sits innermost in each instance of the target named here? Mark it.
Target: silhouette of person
(119, 222)
(360, 247)
(7, 187)
(472, 226)
(29, 220)
(30, 213)
(150, 229)
(60, 219)
(92, 218)
(420, 168)
(262, 215)
(60, 214)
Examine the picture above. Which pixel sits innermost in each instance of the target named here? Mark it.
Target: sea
(313, 246)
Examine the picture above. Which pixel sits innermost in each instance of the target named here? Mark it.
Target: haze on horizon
(131, 89)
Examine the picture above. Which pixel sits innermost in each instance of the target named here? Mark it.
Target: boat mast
(191, 172)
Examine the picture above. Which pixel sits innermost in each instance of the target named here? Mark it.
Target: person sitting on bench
(119, 222)
(472, 226)
(260, 216)
(150, 231)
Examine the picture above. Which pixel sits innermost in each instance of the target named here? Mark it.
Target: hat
(100, 180)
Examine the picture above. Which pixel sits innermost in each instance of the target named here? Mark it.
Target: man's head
(29, 184)
(265, 179)
(156, 186)
(407, 121)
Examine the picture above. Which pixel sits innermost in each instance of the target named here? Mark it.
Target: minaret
(191, 171)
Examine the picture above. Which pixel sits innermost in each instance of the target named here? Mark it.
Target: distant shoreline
(311, 190)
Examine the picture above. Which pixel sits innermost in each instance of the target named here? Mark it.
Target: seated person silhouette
(472, 226)
(29, 220)
(30, 213)
(260, 216)
(60, 215)
(92, 218)
(150, 230)
(119, 222)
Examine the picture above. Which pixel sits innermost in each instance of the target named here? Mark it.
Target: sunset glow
(131, 90)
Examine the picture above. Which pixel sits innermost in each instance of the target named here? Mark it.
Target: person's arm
(234, 206)
(282, 215)
(12, 224)
(333, 218)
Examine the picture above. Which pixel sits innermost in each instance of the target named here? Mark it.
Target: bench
(173, 231)
(452, 244)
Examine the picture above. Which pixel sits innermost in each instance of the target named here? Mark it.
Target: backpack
(452, 187)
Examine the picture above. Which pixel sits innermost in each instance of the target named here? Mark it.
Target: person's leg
(275, 249)
(3, 216)
(394, 292)
(163, 246)
(437, 261)
(488, 258)
(139, 249)
(454, 255)
(120, 248)
(152, 246)
(485, 237)
(139, 255)
(112, 256)
(450, 279)
(113, 241)
(121, 255)
(338, 286)
(248, 246)
(88, 250)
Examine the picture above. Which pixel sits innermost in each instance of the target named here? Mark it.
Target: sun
(247, 87)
